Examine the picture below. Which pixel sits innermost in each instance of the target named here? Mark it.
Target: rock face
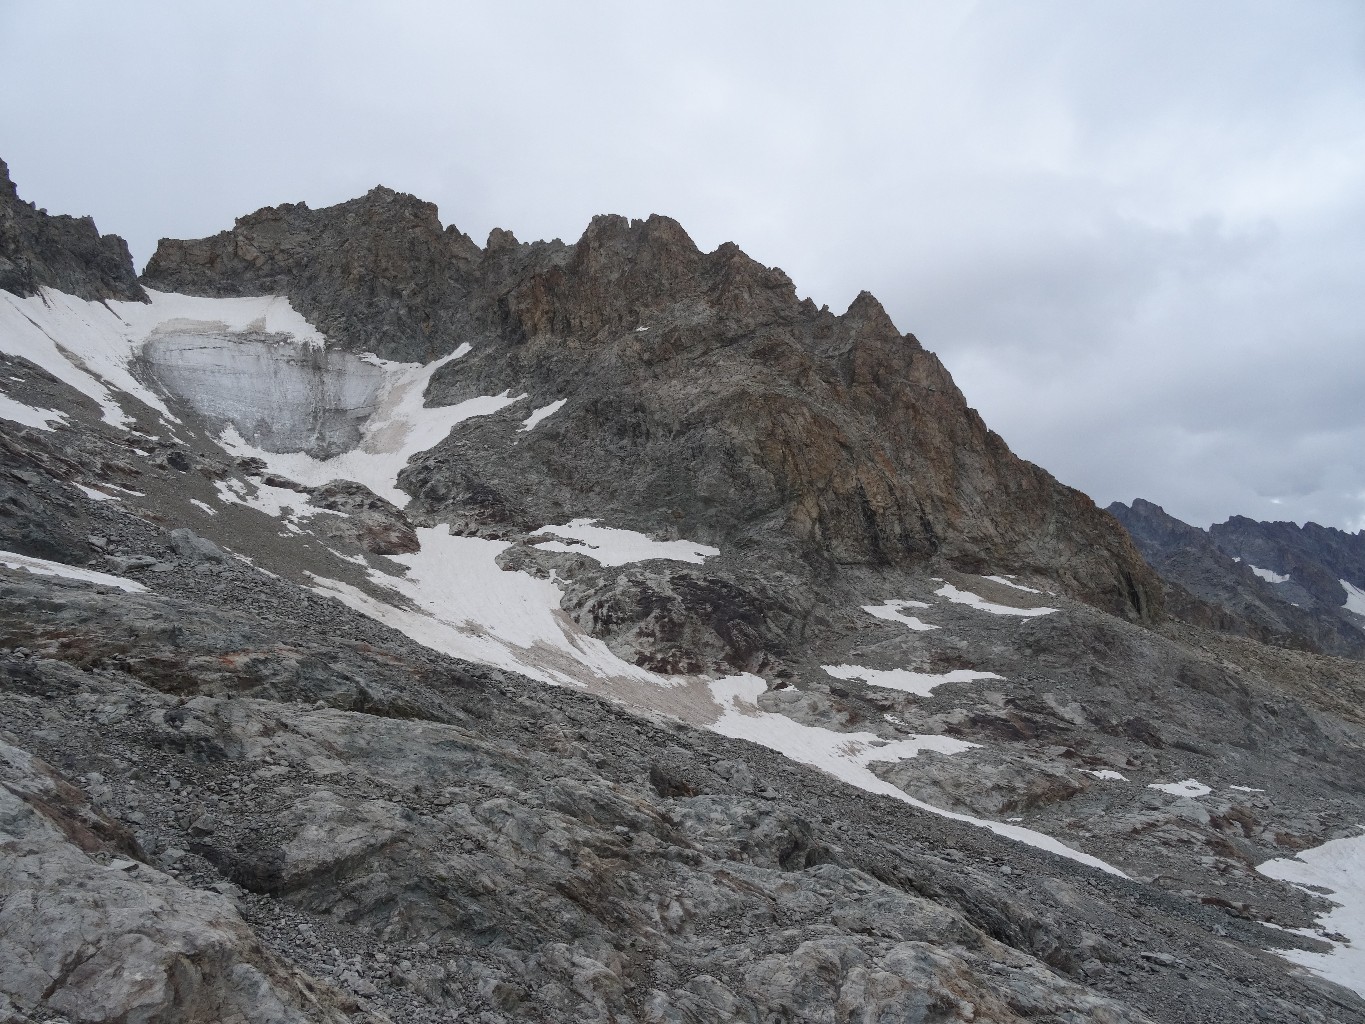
(1277, 582)
(40, 250)
(378, 274)
(702, 388)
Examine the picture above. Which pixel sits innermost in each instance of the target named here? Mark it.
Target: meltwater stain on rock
(279, 394)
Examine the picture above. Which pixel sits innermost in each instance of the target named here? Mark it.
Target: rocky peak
(40, 250)
(840, 431)
(378, 273)
(7, 186)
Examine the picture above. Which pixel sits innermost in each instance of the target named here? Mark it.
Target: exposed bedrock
(703, 395)
(38, 250)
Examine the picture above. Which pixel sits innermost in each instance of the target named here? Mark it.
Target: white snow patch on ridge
(290, 507)
(847, 755)
(95, 495)
(530, 422)
(1267, 574)
(1108, 774)
(27, 415)
(980, 604)
(42, 567)
(610, 546)
(1188, 788)
(921, 684)
(1003, 581)
(1355, 598)
(891, 611)
(1338, 866)
(459, 601)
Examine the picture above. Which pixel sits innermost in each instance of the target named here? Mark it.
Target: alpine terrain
(394, 628)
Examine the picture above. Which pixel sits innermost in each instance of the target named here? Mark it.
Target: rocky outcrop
(703, 392)
(378, 273)
(1222, 578)
(93, 933)
(366, 519)
(42, 250)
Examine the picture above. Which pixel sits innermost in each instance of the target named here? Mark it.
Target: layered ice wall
(282, 395)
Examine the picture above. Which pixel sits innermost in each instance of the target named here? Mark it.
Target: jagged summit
(840, 431)
(38, 250)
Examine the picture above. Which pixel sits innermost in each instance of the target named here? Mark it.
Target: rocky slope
(323, 702)
(1278, 582)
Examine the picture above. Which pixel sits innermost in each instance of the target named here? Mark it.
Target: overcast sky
(1134, 231)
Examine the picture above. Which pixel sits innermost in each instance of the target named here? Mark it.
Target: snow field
(530, 422)
(847, 755)
(27, 415)
(460, 601)
(921, 684)
(891, 612)
(1005, 581)
(1338, 866)
(42, 567)
(971, 600)
(1355, 598)
(612, 547)
(1188, 788)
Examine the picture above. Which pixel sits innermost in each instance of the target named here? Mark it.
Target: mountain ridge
(550, 311)
(500, 686)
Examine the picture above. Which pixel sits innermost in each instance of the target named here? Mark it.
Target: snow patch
(1355, 598)
(290, 507)
(455, 598)
(95, 495)
(980, 604)
(1246, 789)
(621, 547)
(1338, 866)
(1188, 788)
(530, 422)
(27, 415)
(1006, 582)
(42, 567)
(1108, 774)
(204, 506)
(400, 427)
(921, 684)
(891, 611)
(846, 756)
(1267, 575)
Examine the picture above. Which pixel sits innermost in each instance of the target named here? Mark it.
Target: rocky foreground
(843, 713)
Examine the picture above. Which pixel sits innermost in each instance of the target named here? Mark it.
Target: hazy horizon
(1132, 233)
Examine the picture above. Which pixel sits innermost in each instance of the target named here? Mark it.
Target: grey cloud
(1134, 232)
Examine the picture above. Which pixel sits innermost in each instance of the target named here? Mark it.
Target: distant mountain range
(1296, 586)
